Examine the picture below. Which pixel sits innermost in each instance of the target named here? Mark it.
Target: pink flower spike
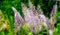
(17, 17)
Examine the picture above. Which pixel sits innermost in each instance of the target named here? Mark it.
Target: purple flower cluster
(33, 18)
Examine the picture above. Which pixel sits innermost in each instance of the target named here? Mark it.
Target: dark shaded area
(46, 5)
(58, 6)
(6, 31)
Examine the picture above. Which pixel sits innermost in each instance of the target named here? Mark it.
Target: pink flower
(33, 18)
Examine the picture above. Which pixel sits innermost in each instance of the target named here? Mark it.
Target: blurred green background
(46, 5)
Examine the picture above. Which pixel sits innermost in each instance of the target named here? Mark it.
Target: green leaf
(58, 14)
(30, 33)
(2, 33)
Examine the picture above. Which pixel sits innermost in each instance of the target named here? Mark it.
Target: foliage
(46, 5)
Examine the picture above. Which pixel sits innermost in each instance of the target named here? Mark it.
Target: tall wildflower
(18, 19)
(52, 19)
